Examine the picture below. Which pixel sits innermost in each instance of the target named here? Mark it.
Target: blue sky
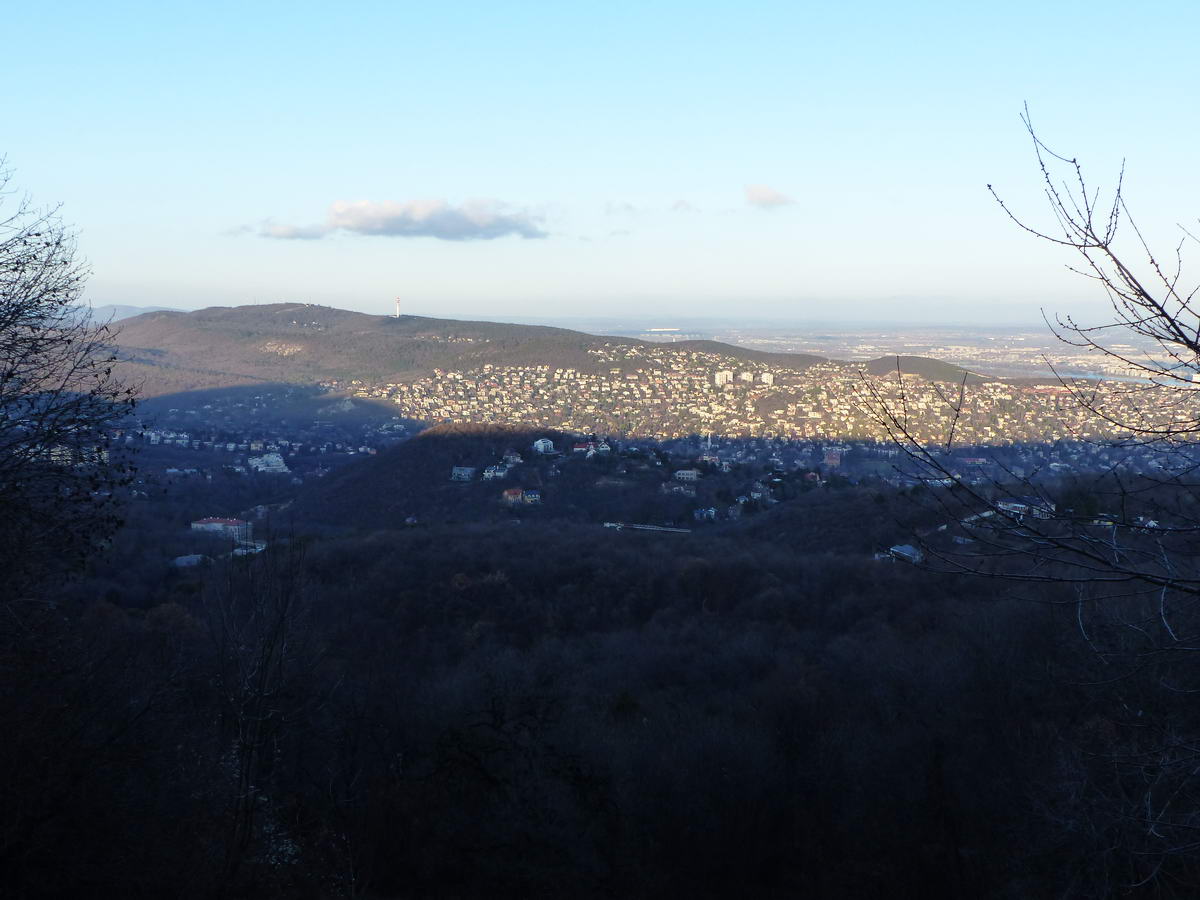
(492, 159)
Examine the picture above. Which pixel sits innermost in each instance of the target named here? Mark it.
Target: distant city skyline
(495, 161)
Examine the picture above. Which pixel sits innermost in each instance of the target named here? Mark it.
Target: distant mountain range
(170, 351)
(115, 312)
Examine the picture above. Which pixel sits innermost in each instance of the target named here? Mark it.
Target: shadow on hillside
(265, 403)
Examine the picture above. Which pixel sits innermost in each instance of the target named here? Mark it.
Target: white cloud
(765, 197)
(293, 232)
(477, 220)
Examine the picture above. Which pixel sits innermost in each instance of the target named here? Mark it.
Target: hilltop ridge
(167, 351)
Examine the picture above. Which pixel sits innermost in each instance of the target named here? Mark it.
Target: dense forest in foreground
(542, 709)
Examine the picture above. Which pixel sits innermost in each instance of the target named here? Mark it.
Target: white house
(543, 445)
(271, 463)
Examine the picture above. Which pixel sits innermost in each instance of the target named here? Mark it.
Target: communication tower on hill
(397, 307)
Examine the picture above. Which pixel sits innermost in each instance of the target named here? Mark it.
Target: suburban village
(657, 391)
(713, 438)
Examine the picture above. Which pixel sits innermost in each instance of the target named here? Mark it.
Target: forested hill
(296, 342)
(167, 352)
(922, 366)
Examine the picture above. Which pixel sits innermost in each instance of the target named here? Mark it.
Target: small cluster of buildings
(509, 460)
(521, 497)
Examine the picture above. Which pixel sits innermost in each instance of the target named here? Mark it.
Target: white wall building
(271, 463)
(233, 529)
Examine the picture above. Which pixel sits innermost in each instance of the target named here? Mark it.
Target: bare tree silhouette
(1124, 541)
(60, 401)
